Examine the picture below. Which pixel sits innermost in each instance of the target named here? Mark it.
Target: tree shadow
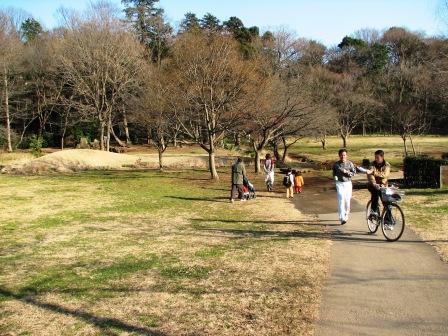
(240, 233)
(325, 222)
(355, 237)
(427, 192)
(104, 323)
(201, 199)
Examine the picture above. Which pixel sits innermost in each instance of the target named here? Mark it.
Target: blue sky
(327, 21)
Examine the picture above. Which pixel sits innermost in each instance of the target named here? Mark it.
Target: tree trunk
(160, 151)
(126, 127)
(175, 140)
(212, 164)
(257, 161)
(102, 126)
(404, 145)
(412, 144)
(344, 141)
(364, 133)
(276, 152)
(109, 126)
(8, 121)
(323, 141)
(117, 139)
(64, 130)
(285, 149)
(150, 137)
(237, 139)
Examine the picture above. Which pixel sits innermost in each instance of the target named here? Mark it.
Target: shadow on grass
(274, 222)
(337, 235)
(201, 199)
(426, 192)
(104, 323)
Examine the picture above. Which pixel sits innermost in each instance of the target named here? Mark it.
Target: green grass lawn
(360, 147)
(108, 253)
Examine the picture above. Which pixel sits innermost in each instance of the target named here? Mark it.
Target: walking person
(298, 182)
(343, 171)
(288, 183)
(269, 167)
(238, 176)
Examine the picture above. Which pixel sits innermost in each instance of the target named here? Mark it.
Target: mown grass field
(146, 253)
(360, 148)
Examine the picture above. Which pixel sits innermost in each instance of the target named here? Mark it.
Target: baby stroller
(248, 189)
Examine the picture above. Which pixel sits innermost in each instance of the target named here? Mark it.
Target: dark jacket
(238, 173)
(344, 171)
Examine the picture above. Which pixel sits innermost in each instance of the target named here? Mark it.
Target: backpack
(287, 181)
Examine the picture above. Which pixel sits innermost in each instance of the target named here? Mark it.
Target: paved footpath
(376, 287)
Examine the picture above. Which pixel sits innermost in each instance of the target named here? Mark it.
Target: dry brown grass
(90, 255)
(74, 160)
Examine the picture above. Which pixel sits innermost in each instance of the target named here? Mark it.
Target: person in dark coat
(238, 175)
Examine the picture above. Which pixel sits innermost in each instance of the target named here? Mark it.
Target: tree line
(133, 78)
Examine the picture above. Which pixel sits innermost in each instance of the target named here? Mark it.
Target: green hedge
(422, 171)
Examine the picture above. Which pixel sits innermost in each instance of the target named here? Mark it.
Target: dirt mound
(73, 160)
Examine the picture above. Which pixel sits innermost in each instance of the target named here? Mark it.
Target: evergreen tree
(190, 23)
(31, 29)
(210, 22)
(150, 26)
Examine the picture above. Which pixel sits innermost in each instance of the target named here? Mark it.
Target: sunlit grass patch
(149, 250)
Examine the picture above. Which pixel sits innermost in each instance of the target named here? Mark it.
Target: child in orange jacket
(298, 182)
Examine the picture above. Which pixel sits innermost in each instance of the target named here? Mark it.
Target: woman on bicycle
(378, 175)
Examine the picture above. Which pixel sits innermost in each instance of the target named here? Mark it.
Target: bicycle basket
(389, 195)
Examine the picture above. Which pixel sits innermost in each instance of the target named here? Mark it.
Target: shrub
(422, 171)
(48, 140)
(83, 143)
(36, 145)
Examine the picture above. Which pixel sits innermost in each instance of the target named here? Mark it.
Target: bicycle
(390, 218)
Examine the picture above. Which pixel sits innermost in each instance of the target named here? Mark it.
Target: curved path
(376, 287)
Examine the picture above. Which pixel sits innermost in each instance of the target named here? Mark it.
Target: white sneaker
(243, 200)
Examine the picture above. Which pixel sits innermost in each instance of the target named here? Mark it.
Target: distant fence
(425, 172)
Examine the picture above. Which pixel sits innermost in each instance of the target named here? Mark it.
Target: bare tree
(406, 83)
(407, 98)
(44, 83)
(213, 79)
(281, 110)
(368, 35)
(10, 47)
(155, 110)
(101, 62)
(442, 12)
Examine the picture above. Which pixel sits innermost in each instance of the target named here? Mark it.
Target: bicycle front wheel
(392, 222)
(372, 220)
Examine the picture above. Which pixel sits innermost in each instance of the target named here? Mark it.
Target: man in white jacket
(269, 167)
(343, 171)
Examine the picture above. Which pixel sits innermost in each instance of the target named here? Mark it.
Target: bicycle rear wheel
(372, 221)
(392, 222)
